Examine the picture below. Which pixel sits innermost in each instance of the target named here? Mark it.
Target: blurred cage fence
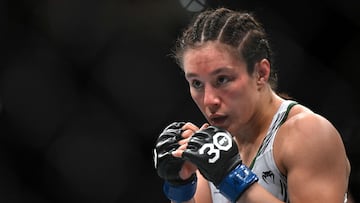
(86, 86)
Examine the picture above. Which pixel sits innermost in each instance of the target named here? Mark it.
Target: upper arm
(315, 161)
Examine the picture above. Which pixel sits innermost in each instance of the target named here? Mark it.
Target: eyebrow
(215, 72)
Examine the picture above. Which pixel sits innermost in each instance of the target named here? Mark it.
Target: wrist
(180, 193)
(236, 182)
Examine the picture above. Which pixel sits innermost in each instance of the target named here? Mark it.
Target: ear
(262, 70)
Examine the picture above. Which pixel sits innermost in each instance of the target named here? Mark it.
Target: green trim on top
(282, 121)
(287, 112)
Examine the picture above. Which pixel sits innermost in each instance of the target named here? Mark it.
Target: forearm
(257, 194)
(254, 194)
(190, 201)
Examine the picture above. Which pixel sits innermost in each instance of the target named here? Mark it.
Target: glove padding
(214, 152)
(168, 166)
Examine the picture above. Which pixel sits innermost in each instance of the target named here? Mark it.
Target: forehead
(211, 55)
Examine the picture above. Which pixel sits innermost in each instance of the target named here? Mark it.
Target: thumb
(187, 170)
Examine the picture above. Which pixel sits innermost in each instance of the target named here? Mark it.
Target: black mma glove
(168, 166)
(215, 153)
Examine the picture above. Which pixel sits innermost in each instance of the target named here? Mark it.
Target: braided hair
(239, 30)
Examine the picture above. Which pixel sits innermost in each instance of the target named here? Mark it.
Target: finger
(178, 152)
(204, 126)
(184, 141)
(187, 133)
(190, 129)
(190, 126)
(183, 147)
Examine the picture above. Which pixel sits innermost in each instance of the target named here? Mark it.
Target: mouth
(217, 120)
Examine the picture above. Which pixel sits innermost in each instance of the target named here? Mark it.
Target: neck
(250, 137)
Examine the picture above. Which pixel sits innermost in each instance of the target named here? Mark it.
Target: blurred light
(193, 5)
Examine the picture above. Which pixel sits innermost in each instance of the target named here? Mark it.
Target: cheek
(240, 98)
(196, 97)
(235, 100)
(237, 93)
(239, 107)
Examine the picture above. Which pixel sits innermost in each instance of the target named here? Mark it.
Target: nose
(211, 98)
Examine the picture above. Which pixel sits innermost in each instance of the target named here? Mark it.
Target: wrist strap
(180, 193)
(236, 182)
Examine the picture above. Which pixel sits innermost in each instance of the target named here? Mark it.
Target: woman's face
(220, 85)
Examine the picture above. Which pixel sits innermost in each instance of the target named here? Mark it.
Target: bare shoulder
(308, 136)
(303, 124)
(309, 151)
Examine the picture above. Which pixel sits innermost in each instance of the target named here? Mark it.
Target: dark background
(86, 86)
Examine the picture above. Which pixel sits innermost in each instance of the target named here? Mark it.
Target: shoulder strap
(278, 119)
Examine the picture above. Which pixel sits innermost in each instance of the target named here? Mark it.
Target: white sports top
(264, 165)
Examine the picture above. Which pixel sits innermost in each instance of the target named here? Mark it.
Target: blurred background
(86, 86)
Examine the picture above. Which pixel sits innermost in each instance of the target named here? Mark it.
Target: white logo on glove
(222, 141)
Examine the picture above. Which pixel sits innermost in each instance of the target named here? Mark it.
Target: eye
(222, 80)
(196, 84)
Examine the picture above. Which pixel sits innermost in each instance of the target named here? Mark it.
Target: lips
(217, 120)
